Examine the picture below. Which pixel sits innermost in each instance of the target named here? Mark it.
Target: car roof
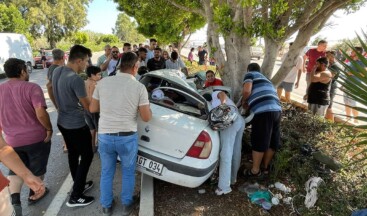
(170, 74)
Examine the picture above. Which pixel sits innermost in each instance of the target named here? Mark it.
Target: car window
(174, 97)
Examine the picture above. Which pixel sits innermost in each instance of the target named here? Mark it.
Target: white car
(177, 145)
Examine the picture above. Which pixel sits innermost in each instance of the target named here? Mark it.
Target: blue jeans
(230, 153)
(127, 148)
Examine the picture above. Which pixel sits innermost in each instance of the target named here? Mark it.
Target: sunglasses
(115, 51)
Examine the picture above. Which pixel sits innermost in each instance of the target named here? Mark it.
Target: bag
(222, 117)
(113, 73)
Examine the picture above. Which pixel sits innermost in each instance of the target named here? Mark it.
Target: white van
(14, 45)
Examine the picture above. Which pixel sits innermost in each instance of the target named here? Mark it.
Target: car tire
(29, 67)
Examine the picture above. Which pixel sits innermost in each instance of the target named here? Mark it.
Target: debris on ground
(311, 187)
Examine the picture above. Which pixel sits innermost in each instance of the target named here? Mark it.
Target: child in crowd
(190, 57)
(94, 75)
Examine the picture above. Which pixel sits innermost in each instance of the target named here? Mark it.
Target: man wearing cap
(230, 142)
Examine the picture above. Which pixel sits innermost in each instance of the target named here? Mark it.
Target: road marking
(146, 196)
(59, 199)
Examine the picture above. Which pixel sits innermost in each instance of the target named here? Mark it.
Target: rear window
(174, 97)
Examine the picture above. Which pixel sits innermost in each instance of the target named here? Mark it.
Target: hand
(296, 85)
(36, 184)
(48, 136)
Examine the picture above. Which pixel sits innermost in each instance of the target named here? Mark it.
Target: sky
(102, 15)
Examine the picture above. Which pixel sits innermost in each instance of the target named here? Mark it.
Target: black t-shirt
(156, 65)
(202, 54)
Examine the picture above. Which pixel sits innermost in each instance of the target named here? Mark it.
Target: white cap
(157, 94)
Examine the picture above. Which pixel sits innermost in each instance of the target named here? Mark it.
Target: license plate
(149, 165)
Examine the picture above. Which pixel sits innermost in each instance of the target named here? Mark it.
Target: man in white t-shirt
(230, 144)
(112, 62)
(289, 80)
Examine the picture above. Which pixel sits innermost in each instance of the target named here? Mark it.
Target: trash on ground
(275, 201)
(262, 198)
(282, 187)
(362, 212)
(249, 188)
(201, 191)
(311, 188)
(287, 200)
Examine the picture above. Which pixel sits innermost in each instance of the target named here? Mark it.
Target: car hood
(169, 132)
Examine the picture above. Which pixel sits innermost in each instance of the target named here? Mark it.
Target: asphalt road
(58, 179)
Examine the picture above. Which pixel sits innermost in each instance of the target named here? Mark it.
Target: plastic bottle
(282, 187)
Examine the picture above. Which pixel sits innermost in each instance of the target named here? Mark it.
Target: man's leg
(274, 140)
(355, 114)
(84, 149)
(308, 82)
(236, 158)
(128, 150)
(288, 96)
(257, 158)
(108, 166)
(227, 139)
(73, 156)
(279, 92)
(6, 207)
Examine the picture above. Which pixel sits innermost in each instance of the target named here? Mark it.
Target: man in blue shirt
(259, 95)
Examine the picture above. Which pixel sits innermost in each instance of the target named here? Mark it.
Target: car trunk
(170, 132)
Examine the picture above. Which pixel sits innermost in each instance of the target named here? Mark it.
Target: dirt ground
(170, 199)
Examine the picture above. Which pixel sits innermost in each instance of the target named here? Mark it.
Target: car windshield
(173, 97)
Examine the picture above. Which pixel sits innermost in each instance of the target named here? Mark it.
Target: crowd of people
(106, 110)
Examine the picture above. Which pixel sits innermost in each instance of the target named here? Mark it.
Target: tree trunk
(271, 53)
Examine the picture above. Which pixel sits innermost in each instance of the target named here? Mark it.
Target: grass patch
(344, 190)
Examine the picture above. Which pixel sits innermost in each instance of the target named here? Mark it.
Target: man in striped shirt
(259, 95)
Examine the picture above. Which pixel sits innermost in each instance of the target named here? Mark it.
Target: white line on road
(59, 199)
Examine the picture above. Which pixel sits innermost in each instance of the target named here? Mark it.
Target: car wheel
(29, 67)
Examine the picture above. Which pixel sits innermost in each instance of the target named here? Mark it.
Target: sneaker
(88, 185)
(220, 192)
(80, 201)
(127, 209)
(17, 209)
(108, 211)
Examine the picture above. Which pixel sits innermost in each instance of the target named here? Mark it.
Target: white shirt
(111, 66)
(292, 75)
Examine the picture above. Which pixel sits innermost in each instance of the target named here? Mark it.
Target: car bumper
(178, 173)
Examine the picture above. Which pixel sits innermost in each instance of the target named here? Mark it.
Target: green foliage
(354, 81)
(162, 20)
(11, 20)
(343, 190)
(126, 30)
(54, 19)
(108, 39)
(80, 38)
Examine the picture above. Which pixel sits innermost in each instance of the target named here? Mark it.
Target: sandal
(248, 174)
(31, 201)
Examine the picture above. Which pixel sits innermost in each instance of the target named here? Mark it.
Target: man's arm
(222, 97)
(85, 103)
(105, 64)
(11, 160)
(246, 92)
(94, 106)
(298, 77)
(305, 57)
(323, 77)
(145, 112)
(44, 119)
(51, 93)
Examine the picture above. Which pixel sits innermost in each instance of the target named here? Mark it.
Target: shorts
(43, 58)
(317, 109)
(288, 87)
(34, 157)
(201, 62)
(349, 101)
(266, 131)
(92, 120)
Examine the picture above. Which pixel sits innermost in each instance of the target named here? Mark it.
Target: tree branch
(182, 7)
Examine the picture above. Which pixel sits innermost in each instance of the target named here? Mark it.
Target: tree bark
(270, 56)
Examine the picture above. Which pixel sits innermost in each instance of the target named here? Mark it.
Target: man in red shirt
(312, 55)
(211, 80)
